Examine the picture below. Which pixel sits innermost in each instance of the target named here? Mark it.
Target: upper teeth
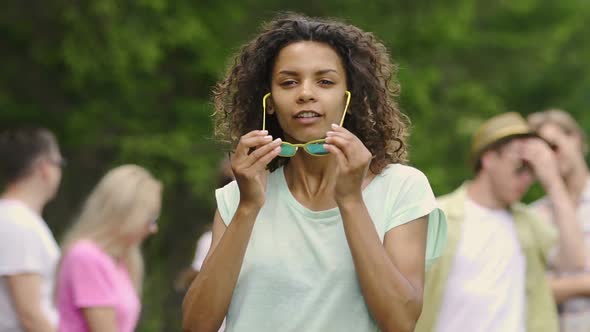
(307, 115)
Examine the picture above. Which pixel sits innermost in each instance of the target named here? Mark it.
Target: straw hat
(498, 128)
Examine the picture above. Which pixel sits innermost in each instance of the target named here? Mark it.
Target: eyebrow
(319, 72)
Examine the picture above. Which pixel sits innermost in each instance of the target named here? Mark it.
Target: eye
(288, 83)
(325, 82)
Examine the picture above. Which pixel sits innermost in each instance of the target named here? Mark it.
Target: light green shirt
(298, 273)
(536, 240)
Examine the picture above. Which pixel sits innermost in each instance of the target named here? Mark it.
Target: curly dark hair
(374, 116)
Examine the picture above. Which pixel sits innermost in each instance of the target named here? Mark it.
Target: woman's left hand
(353, 162)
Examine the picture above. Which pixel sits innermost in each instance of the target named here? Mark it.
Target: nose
(306, 93)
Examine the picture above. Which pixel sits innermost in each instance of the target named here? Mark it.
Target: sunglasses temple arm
(345, 108)
(264, 110)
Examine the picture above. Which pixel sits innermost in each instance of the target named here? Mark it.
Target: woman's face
(145, 219)
(308, 90)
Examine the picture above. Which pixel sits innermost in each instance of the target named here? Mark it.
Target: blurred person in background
(101, 272)
(324, 228)
(492, 276)
(31, 171)
(204, 242)
(571, 288)
(184, 279)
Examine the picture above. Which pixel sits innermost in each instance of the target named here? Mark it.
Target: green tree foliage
(130, 82)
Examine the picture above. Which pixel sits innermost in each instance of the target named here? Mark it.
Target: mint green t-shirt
(298, 273)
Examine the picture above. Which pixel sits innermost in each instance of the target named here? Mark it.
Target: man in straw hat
(571, 288)
(492, 275)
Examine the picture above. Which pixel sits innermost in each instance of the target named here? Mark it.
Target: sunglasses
(315, 147)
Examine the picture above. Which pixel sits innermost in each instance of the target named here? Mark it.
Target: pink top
(88, 278)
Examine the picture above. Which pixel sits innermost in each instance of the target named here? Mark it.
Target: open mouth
(307, 114)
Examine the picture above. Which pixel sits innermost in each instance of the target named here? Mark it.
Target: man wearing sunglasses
(571, 288)
(492, 275)
(30, 170)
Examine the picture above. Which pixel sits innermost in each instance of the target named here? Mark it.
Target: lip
(303, 111)
(307, 121)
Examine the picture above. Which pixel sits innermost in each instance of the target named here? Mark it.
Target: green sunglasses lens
(316, 148)
(287, 150)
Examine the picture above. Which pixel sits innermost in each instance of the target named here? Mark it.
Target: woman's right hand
(255, 150)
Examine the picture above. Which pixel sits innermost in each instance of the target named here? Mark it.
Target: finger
(262, 151)
(252, 139)
(340, 129)
(340, 157)
(267, 158)
(343, 144)
(346, 136)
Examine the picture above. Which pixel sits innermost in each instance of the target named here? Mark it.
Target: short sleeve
(91, 274)
(20, 249)
(228, 198)
(202, 249)
(415, 199)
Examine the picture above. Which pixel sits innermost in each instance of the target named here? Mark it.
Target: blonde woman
(101, 272)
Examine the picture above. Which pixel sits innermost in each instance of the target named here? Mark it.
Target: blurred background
(130, 82)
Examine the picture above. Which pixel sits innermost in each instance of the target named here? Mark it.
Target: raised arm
(208, 298)
(570, 249)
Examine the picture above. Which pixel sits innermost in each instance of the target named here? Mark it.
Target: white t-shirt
(26, 246)
(298, 273)
(486, 287)
(202, 248)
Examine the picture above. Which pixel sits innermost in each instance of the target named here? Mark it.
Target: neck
(480, 191)
(576, 181)
(114, 246)
(27, 193)
(309, 174)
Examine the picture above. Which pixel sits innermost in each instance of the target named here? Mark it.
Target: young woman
(324, 229)
(101, 272)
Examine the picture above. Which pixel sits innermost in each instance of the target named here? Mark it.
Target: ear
(41, 167)
(487, 159)
(270, 109)
(267, 104)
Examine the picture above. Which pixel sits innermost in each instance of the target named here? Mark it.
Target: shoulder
(531, 217)
(445, 199)
(85, 251)
(401, 185)
(454, 198)
(398, 178)
(400, 172)
(16, 217)
(18, 224)
(542, 207)
(525, 210)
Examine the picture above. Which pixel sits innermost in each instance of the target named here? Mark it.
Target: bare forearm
(568, 287)
(571, 242)
(25, 293)
(393, 301)
(36, 322)
(208, 298)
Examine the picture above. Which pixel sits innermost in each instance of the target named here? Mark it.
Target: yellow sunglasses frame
(303, 145)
